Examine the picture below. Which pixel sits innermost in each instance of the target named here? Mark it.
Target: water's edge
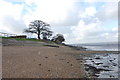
(100, 65)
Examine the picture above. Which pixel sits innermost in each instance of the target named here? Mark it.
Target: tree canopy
(58, 38)
(40, 28)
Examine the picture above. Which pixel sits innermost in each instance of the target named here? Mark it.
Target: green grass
(0, 36)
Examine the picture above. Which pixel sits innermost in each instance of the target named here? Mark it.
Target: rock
(90, 59)
(98, 63)
(87, 68)
(67, 62)
(106, 66)
(48, 70)
(110, 60)
(97, 58)
(111, 76)
(46, 57)
(114, 64)
(39, 64)
(96, 75)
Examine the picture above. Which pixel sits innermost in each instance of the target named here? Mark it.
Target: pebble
(49, 70)
(39, 64)
(111, 76)
(114, 64)
(67, 62)
(97, 58)
(92, 61)
(98, 63)
(46, 57)
(110, 60)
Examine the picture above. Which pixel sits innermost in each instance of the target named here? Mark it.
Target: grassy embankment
(50, 43)
(28, 39)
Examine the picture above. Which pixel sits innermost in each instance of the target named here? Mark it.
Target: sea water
(102, 65)
(100, 46)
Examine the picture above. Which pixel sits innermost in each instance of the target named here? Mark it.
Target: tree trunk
(38, 32)
(38, 35)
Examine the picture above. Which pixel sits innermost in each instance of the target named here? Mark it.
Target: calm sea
(101, 46)
(107, 64)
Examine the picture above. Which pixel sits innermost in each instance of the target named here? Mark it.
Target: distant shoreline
(108, 46)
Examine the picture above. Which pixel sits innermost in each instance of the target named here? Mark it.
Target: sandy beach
(42, 62)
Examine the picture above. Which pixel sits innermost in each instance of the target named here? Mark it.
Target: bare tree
(46, 34)
(40, 28)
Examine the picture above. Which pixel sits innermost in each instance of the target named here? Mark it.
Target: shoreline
(22, 59)
(92, 71)
(94, 47)
(63, 58)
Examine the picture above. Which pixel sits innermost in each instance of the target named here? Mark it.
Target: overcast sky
(80, 21)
